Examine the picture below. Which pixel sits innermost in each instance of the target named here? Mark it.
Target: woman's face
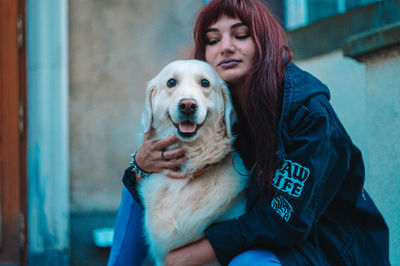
(230, 49)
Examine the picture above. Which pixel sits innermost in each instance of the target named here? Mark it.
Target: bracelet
(135, 168)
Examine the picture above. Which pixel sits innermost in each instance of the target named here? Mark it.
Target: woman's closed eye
(212, 37)
(212, 41)
(242, 36)
(241, 33)
(237, 36)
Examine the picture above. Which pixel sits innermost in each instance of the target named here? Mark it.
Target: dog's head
(185, 96)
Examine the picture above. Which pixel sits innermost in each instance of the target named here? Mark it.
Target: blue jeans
(129, 247)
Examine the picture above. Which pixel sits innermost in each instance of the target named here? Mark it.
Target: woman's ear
(147, 116)
(229, 113)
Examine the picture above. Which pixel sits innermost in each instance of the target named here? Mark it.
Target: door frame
(13, 132)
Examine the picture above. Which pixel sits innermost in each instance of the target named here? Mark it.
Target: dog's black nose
(187, 106)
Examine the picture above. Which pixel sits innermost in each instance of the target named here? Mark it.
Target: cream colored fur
(178, 211)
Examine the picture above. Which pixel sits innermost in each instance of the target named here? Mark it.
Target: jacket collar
(299, 87)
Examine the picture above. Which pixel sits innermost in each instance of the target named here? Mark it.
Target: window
(299, 13)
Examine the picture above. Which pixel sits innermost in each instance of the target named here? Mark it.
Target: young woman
(306, 202)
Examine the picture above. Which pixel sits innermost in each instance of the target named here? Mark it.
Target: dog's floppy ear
(229, 113)
(147, 116)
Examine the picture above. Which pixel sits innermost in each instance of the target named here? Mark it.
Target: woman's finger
(165, 142)
(173, 154)
(175, 174)
(178, 162)
(149, 134)
(173, 163)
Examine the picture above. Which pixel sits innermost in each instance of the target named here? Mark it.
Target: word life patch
(282, 207)
(290, 178)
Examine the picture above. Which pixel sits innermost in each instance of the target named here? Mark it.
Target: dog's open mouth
(186, 128)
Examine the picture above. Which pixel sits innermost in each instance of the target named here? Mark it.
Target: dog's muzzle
(187, 107)
(187, 127)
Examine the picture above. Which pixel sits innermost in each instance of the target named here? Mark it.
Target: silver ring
(162, 156)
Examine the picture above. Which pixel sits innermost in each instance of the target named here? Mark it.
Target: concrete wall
(115, 47)
(345, 78)
(383, 129)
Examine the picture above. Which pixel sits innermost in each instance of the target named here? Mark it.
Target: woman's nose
(227, 46)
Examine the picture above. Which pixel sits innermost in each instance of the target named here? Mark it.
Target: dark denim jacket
(318, 212)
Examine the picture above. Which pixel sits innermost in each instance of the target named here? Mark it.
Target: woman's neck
(236, 91)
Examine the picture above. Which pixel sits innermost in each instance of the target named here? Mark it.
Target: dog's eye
(171, 83)
(205, 83)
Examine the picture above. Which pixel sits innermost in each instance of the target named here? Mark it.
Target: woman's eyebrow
(212, 30)
(239, 24)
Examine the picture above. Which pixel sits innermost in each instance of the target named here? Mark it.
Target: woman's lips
(228, 63)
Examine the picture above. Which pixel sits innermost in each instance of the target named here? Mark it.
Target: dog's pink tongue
(187, 127)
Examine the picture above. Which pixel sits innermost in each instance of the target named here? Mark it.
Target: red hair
(263, 88)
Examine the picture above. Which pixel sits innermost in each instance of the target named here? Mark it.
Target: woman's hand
(196, 253)
(149, 158)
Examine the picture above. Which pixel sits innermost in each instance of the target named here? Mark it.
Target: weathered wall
(345, 78)
(48, 131)
(383, 129)
(115, 47)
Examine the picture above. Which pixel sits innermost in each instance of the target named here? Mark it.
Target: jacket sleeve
(129, 180)
(302, 187)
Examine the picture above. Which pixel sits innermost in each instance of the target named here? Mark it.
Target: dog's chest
(171, 197)
(181, 207)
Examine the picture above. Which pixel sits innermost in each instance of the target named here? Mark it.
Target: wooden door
(12, 133)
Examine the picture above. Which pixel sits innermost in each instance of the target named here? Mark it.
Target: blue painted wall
(48, 132)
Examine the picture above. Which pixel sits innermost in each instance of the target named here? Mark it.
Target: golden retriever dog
(189, 99)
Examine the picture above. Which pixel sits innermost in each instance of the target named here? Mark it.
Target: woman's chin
(232, 76)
